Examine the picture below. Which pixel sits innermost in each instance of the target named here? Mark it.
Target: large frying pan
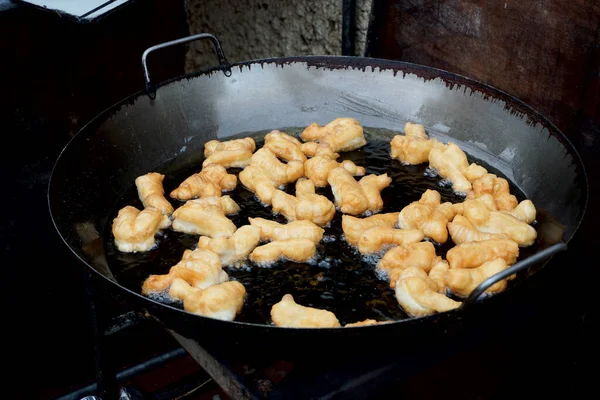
(176, 118)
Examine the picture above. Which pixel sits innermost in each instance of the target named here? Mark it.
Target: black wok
(175, 119)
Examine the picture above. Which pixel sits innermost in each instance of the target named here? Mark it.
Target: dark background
(56, 75)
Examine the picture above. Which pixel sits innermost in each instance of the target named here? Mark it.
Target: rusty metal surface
(539, 51)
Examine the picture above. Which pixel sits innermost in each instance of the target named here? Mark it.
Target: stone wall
(252, 29)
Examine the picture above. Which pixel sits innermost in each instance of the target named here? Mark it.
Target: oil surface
(340, 280)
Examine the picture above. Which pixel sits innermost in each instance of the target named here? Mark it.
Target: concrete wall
(251, 29)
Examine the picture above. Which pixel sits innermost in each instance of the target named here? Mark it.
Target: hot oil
(340, 279)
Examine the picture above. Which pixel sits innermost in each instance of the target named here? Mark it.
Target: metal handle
(521, 265)
(223, 63)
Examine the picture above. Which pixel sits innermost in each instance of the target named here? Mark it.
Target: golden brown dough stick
(474, 172)
(317, 168)
(235, 248)
(271, 230)
(211, 181)
(495, 186)
(354, 169)
(297, 250)
(206, 216)
(200, 268)
(418, 294)
(413, 130)
(414, 147)
(353, 197)
(222, 301)
(462, 231)
(279, 174)
(292, 315)
(462, 281)
(341, 134)
(312, 206)
(349, 195)
(497, 222)
(486, 198)
(376, 239)
(472, 255)
(435, 227)
(255, 180)
(416, 213)
(525, 211)
(421, 254)
(410, 151)
(438, 274)
(151, 192)
(284, 146)
(428, 215)
(354, 227)
(451, 163)
(306, 205)
(134, 230)
(230, 154)
(372, 185)
(284, 204)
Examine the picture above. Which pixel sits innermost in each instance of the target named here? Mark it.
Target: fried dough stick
(199, 268)
(151, 192)
(306, 205)
(341, 134)
(317, 168)
(376, 239)
(354, 227)
(292, 315)
(271, 230)
(235, 248)
(451, 163)
(421, 254)
(222, 301)
(462, 281)
(206, 216)
(412, 148)
(419, 295)
(266, 174)
(280, 174)
(498, 222)
(284, 146)
(134, 230)
(428, 215)
(355, 198)
(472, 255)
(211, 181)
(297, 250)
(525, 211)
(256, 180)
(230, 154)
(497, 187)
(462, 231)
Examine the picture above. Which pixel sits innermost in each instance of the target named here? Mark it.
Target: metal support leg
(106, 378)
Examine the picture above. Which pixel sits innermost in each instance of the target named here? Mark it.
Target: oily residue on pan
(340, 279)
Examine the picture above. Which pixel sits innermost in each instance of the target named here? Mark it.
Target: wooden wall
(545, 52)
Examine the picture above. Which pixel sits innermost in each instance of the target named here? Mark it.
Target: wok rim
(331, 62)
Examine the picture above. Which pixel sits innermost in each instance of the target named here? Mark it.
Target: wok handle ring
(223, 63)
(521, 265)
